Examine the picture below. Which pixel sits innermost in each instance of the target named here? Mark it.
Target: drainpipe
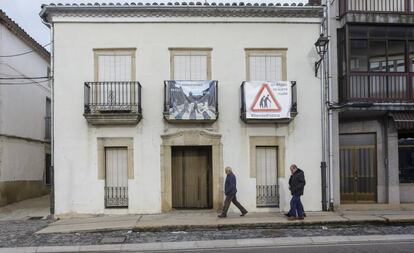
(330, 110)
(52, 135)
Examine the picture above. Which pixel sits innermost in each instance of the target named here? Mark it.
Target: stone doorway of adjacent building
(191, 177)
(205, 146)
(358, 168)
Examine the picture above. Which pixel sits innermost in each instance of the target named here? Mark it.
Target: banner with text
(191, 100)
(268, 100)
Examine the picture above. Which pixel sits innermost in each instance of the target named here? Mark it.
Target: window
(411, 55)
(406, 159)
(377, 56)
(190, 64)
(359, 55)
(114, 65)
(266, 65)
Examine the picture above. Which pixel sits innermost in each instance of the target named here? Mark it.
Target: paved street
(22, 234)
(383, 247)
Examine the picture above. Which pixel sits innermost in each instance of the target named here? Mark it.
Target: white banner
(268, 100)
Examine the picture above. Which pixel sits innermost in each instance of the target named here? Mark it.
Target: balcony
(377, 88)
(113, 103)
(376, 6)
(190, 101)
(266, 102)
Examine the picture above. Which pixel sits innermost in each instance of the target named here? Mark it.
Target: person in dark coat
(230, 192)
(296, 186)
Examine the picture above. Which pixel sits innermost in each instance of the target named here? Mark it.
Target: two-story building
(25, 111)
(373, 42)
(152, 101)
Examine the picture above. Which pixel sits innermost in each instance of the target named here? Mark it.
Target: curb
(294, 224)
(221, 244)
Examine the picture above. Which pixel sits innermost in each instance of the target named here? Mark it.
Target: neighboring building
(24, 115)
(373, 42)
(168, 150)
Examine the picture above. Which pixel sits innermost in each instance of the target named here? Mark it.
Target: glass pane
(396, 56)
(377, 57)
(377, 32)
(411, 55)
(406, 160)
(396, 32)
(359, 55)
(356, 139)
(358, 32)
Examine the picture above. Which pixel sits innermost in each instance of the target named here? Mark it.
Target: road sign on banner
(268, 100)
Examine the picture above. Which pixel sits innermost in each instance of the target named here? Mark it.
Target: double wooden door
(191, 177)
(358, 168)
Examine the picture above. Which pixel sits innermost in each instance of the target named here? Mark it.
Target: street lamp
(321, 46)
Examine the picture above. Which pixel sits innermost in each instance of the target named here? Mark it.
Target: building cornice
(180, 10)
(23, 35)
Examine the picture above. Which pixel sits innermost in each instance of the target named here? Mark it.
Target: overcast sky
(26, 12)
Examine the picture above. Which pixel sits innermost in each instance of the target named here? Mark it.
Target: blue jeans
(296, 207)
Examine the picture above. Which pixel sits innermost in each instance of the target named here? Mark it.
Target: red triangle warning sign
(265, 101)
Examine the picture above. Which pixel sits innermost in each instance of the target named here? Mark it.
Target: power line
(28, 52)
(14, 78)
(25, 83)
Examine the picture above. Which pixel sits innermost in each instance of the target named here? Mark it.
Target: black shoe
(304, 214)
(243, 214)
(286, 214)
(222, 216)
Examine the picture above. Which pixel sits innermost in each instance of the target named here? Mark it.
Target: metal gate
(116, 177)
(358, 168)
(267, 189)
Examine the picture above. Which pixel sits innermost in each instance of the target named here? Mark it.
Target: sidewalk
(184, 220)
(35, 207)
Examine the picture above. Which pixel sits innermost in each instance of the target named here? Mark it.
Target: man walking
(230, 192)
(296, 186)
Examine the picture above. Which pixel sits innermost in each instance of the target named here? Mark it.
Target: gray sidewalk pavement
(35, 207)
(217, 244)
(182, 220)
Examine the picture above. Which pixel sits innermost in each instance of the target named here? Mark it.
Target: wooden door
(191, 177)
(358, 168)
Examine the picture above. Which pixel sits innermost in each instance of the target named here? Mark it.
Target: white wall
(22, 110)
(76, 141)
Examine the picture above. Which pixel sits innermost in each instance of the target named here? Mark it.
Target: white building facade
(24, 115)
(124, 140)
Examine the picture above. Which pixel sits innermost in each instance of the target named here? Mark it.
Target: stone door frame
(191, 138)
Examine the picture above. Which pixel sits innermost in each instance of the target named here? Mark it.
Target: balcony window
(190, 64)
(114, 98)
(359, 55)
(266, 65)
(377, 56)
(396, 56)
(411, 55)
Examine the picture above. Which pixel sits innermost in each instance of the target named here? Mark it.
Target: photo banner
(268, 100)
(191, 100)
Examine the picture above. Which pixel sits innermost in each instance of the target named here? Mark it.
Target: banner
(191, 100)
(268, 100)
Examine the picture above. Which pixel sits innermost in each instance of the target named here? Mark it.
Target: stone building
(152, 101)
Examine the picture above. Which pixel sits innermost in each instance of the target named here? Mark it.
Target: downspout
(52, 137)
(330, 110)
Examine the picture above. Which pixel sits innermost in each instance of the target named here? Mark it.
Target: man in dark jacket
(230, 192)
(296, 186)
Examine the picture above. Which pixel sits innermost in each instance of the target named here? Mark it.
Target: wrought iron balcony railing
(378, 87)
(376, 6)
(113, 102)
